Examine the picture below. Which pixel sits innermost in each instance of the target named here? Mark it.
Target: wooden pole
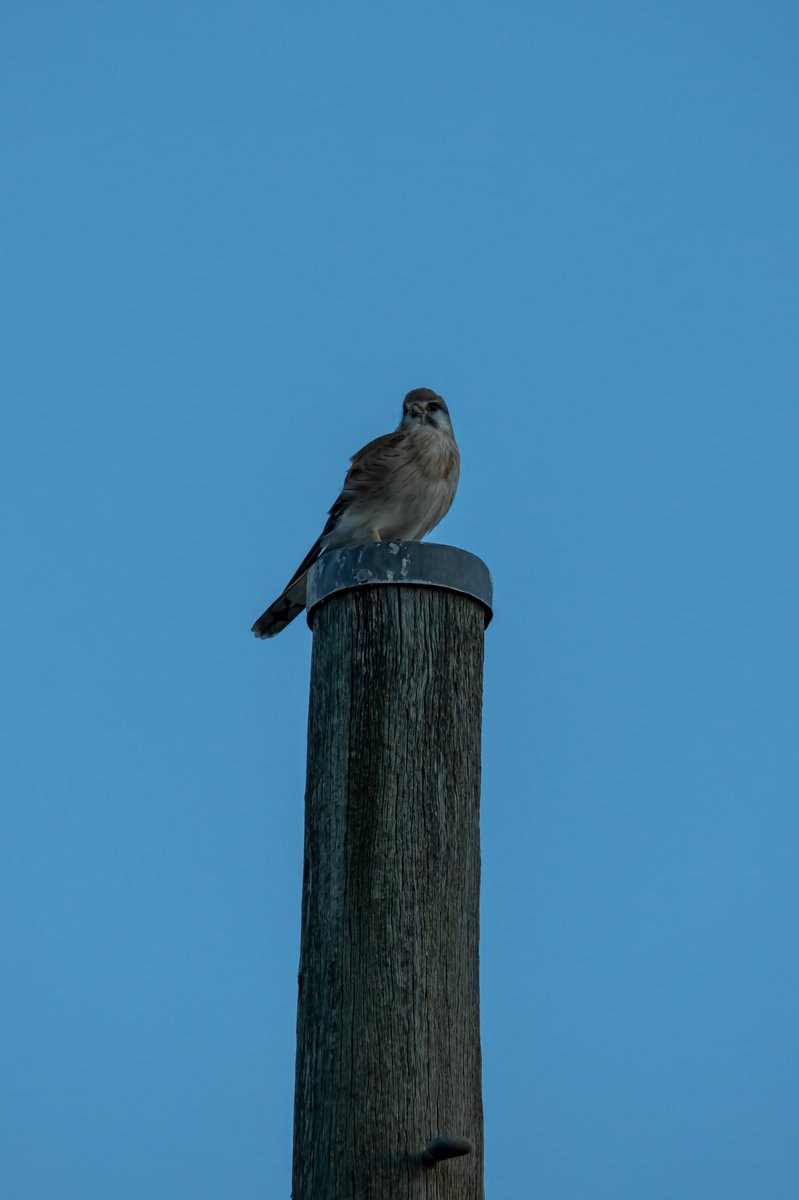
(388, 1100)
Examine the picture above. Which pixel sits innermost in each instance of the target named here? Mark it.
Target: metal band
(420, 564)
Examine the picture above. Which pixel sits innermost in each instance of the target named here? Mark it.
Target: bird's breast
(436, 454)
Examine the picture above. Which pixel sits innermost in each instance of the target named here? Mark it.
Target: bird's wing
(307, 562)
(372, 469)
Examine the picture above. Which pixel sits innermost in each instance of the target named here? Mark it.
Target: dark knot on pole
(445, 1146)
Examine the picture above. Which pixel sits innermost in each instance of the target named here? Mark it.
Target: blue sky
(233, 237)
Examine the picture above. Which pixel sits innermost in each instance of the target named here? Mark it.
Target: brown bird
(399, 487)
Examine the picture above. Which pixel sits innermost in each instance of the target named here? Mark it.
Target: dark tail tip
(277, 617)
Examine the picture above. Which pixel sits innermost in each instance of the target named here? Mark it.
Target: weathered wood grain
(388, 1028)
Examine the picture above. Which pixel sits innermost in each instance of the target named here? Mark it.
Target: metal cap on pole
(419, 564)
(388, 1099)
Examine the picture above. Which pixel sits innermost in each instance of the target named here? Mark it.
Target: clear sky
(234, 235)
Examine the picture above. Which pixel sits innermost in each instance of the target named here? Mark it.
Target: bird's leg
(376, 535)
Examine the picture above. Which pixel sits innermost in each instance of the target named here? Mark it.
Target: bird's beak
(418, 410)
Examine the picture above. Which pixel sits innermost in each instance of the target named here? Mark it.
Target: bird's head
(424, 407)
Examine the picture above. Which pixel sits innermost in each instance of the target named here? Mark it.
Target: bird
(398, 488)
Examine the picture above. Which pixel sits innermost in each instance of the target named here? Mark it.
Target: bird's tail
(291, 601)
(282, 612)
